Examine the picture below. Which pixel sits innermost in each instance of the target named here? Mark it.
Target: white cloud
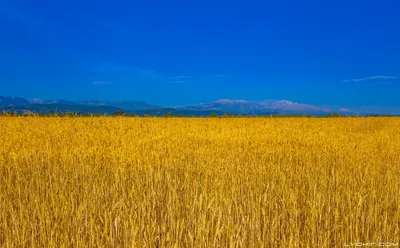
(181, 77)
(369, 78)
(345, 110)
(101, 82)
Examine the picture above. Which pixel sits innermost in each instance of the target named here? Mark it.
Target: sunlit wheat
(201, 182)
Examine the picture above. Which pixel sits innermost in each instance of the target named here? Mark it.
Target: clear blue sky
(328, 53)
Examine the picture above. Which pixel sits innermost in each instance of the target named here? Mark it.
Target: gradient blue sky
(327, 53)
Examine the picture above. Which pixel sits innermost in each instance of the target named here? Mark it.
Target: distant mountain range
(258, 108)
(4, 101)
(23, 106)
(125, 105)
(58, 108)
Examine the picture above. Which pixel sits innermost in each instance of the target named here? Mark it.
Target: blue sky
(327, 53)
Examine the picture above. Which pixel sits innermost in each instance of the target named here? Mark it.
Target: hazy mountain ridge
(126, 105)
(220, 107)
(6, 101)
(59, 108)
(262, 107)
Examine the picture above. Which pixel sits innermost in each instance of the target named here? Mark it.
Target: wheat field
(198, 182)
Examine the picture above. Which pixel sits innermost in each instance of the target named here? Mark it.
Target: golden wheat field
(198, 182)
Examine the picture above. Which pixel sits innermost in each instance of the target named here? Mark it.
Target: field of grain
(211, 182)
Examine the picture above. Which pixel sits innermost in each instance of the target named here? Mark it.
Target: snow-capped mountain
(262, 107)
